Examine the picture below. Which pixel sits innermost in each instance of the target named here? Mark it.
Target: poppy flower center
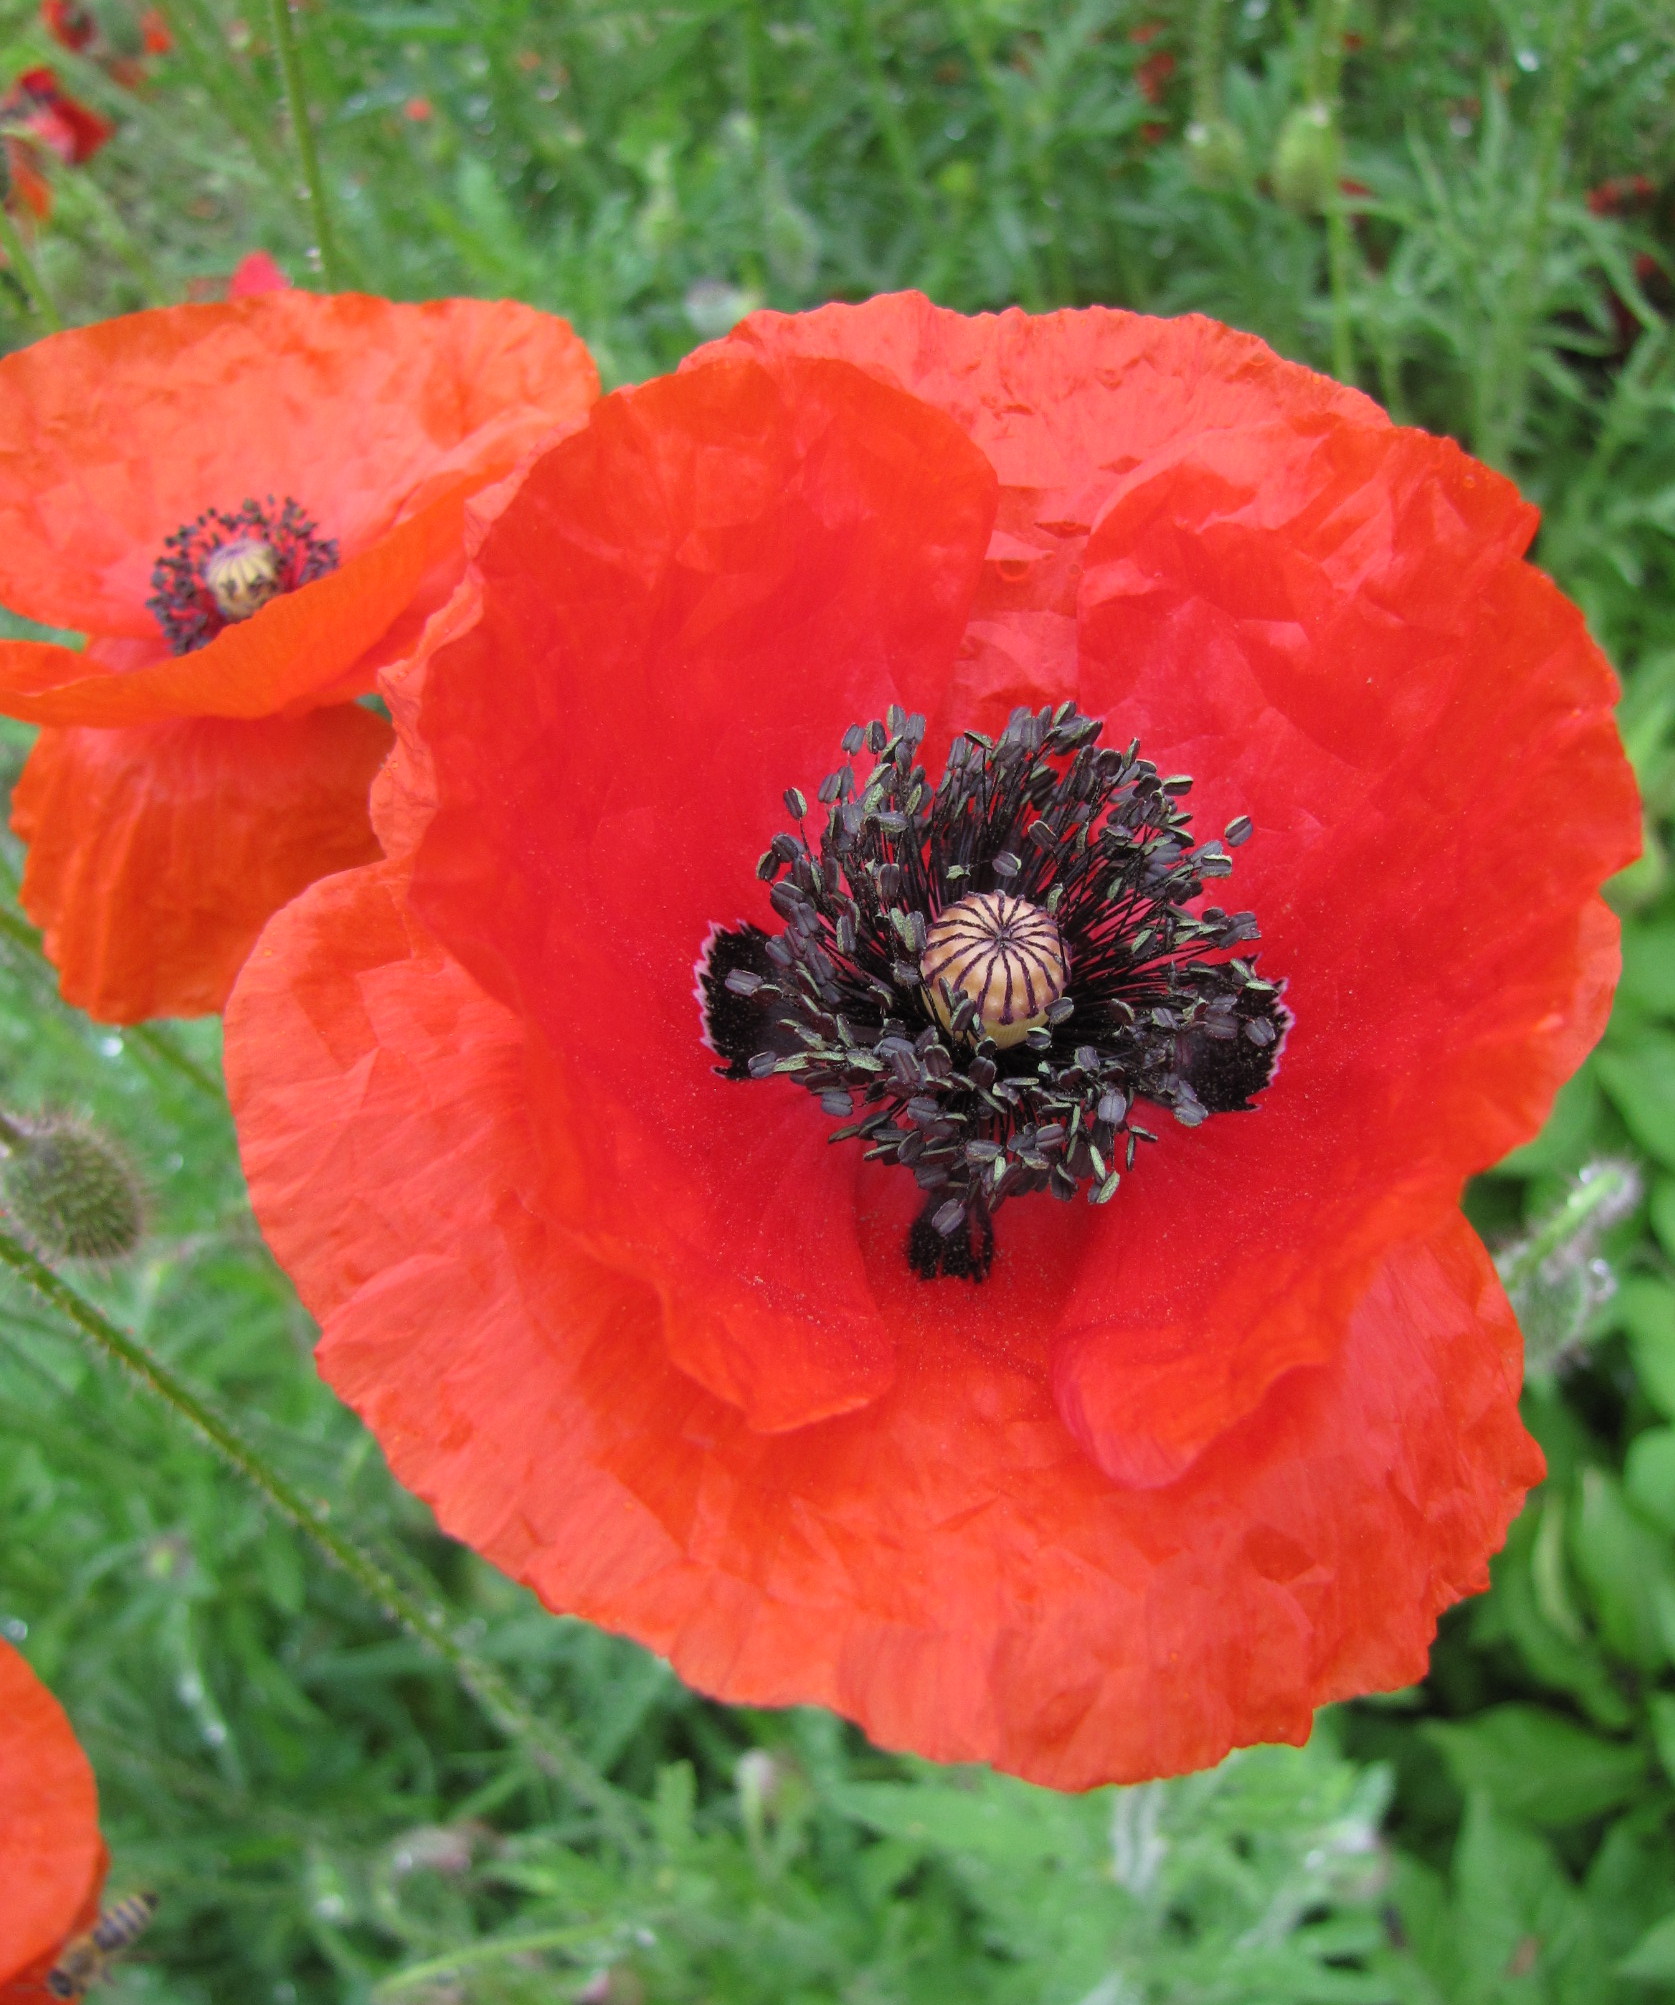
(226, 566)
(1005, 955)
(983, 978)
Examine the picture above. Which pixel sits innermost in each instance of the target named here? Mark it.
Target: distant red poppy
(256, 272)
(666, 1136)
(70, 24)
(118, 39)
(250, 508)
(38, 106)
(52, 1860)
(1622, 192)
(1153, 75)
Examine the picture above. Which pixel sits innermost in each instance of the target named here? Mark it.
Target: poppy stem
(1327, 67)
(1504, 381)
(149, 1037)
(302, 130)
(27, 271)
(432, 1625)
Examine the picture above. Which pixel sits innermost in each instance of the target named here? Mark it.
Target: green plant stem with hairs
(302, 131)
(1204, 61)
(1504, 381)
(547, 1749)
(148, 1036)
(27, 271)
(1326, 89)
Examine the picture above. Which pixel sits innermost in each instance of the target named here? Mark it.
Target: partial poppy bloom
(38, 119)
(797, 1151)
(116, 36)
(38, 107)
(52, 1860)
(249, 507)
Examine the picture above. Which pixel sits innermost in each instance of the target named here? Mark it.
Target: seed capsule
(1005, 954)
(241, 576)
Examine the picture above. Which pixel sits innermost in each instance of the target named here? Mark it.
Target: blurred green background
(1467, 208)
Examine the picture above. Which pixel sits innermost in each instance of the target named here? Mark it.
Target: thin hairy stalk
(199, 49)
(892, 129)
(1327, 72)
(495, 1950)
(1204, 60)
(973, 32)
(27, 272)
(149, 1037)
(431, 1625)
(302, 131)
(1510, 366)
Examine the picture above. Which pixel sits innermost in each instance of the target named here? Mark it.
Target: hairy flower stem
(148, 1036)
(314, 188)
(430, 1624)
(1326, 77)
(27, 271)
(1506, 377)
(1204, 61)
(200, 49)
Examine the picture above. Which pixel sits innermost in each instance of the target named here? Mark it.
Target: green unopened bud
(69, 1188)
(1215, 153)
(1555, 1277)
(1304, 160)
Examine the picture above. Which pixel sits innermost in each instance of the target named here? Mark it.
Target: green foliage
(327, 1810)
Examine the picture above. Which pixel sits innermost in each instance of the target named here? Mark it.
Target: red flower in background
(52, 1860)
(39, 117)
(256, 272)
(37, 106)
(249, 508)
(1191, 1459)
(116, 37)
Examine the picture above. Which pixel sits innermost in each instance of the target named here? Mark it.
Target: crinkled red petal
(776, 556)
(113, 436)
(946, 1566)
(52, 1861)
(158, 853)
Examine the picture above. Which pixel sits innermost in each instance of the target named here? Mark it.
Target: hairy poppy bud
(1555, 1275)
(69, 1188)
(1302, 167)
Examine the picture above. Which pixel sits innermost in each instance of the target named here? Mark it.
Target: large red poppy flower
(1190, 1459)
(52, 1861)
(249, 507)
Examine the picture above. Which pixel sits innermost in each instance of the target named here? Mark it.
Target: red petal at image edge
(52, 1862)
(158, 853)
(946, 1567)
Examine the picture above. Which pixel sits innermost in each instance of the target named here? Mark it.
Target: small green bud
(1215, 153)
(1304, 159)
(1555, 1277)
(70, 1189)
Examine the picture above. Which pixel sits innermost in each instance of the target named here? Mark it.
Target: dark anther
(964, 1252)
(223, 568)
(982, 978)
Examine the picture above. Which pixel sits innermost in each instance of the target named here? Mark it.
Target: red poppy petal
(256, 272)
(946, 1567)
(301, 646)
(1421, 731)
(115, 435)
(157, 853)
(1062, 404)
(52, 1863)
(691, 601)
(1326, 619)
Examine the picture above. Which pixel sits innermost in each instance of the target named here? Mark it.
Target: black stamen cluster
(185, 607)
(835, 1001)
